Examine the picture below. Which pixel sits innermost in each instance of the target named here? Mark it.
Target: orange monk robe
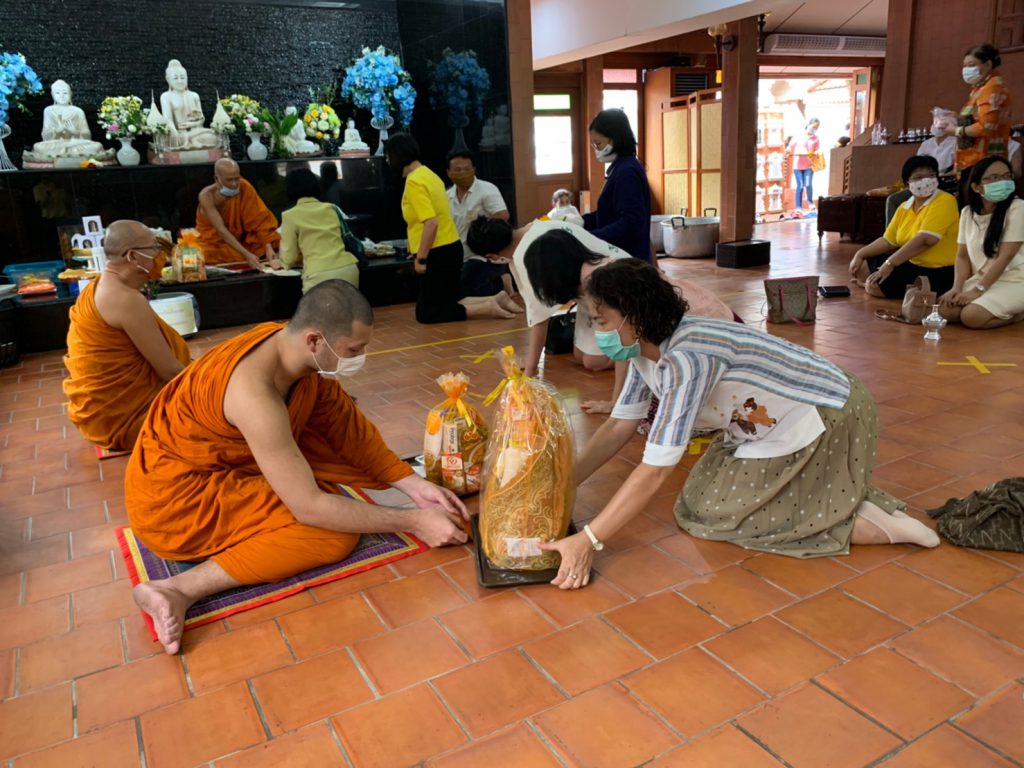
(247, 218)
(110, 384)
(194, 491)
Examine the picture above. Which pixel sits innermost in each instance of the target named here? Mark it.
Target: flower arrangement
(279, 126)
(376, 81)
(17, 80)
(321, 121)
(154, 127)
(460, 85)
(121, 117)
(244, 113)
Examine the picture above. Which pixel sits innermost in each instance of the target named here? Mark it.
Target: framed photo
(87, 243)
(92, 225)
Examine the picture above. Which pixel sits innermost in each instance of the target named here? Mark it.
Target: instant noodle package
(455, 439)
(529, 489)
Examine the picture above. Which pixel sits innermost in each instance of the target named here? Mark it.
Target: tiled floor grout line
(259, 710)
(284, 637)
(983, 631)
(760, 743)
(817, 684)
(339, 745)
(364, 673)
(141, 741)
(956, 725)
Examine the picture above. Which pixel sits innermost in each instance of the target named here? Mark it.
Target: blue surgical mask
(610, 343)
(229, 192)
(972, 75)
(997, 191)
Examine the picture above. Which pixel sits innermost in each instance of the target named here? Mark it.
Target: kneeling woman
(790, 472)
(920, 241)
(988, 291)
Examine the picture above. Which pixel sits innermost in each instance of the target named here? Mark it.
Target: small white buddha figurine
(502, 127)
(65, 130)
(353, 142)
(296, 141)
(184, 113)
(487, 134)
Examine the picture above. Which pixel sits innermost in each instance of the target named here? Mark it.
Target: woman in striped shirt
(790, 470)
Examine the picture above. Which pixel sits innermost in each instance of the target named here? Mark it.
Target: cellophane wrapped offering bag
(529, 489)
(455, 439)
(187, 262)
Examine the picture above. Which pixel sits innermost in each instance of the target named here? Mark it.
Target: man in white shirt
(469, 198)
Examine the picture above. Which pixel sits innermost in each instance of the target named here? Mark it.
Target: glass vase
(383, 125)
(459, 123)
(5, 161)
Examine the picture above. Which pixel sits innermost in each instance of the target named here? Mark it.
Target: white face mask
(972, 75)
(923, 187)
(347, 366)
(605, 154)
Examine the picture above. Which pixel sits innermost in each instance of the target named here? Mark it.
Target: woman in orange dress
(983, 126)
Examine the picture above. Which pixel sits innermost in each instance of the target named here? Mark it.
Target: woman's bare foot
(485, 306)
(166, 606)
(597, 406)
(508, 303)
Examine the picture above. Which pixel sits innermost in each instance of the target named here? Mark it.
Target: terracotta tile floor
(681, 653)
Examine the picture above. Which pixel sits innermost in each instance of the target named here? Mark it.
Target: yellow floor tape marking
(980, 366)
(445, 341)
(479, 358)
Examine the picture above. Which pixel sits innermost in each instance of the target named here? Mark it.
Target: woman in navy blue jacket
(623, 216)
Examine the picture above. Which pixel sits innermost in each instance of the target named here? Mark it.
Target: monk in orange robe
(239, 459)
(233, 222)
(120, 353)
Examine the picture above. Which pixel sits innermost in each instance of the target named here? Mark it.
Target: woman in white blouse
(988, 287)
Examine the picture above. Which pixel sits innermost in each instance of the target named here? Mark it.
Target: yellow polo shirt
(939, 217)
(425, 198)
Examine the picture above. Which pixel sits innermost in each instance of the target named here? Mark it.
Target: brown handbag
(792, 299)
(917, 303)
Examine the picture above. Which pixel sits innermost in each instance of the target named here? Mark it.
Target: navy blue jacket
(623, 216)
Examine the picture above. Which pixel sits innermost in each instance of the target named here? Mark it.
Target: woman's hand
(855, 264)
(950, 297)
(967, 297)
(577, 555)
(420, 267)
(879, 275)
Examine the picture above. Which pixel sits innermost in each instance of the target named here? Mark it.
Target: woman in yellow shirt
(919, 241)
(434, 242)
(311, 234)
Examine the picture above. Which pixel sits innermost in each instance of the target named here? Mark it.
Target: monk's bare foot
(166, 606)
(597, 406)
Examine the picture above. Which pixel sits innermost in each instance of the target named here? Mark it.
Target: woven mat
(372, 551)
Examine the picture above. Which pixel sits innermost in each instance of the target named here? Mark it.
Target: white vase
(127, 154)
(5, 161)
(256, 150)
(382, 125)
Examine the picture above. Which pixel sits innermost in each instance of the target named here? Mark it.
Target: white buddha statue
(353, 142)
(487, 134)
(502, 127)
(184, 113)
(65, 130)
(296, 141)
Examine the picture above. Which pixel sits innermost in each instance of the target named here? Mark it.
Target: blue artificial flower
(377, 82)
(17, 80)
(459, 84)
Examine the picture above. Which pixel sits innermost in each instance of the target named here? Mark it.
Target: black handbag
(352, 243)
(561, 337)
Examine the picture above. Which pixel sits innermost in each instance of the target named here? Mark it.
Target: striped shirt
(704, 353)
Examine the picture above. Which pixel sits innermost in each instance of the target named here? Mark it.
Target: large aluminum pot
(657, 240)
(691, 237)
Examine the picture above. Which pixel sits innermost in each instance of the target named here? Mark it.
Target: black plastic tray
(489, 576)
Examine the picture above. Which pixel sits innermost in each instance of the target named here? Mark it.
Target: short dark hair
(553, 264)
(985, 52)
(457, 153)
(331, 307)
(301, 182)
(614, 124)
(639, 292)
(994, 233)
(401, 149)
(916, 162)
(487, 236)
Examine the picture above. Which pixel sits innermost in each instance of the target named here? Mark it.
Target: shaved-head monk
(238, 462)
(120, 354)
(233, 222)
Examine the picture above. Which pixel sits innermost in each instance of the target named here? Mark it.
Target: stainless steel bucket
(691, 237)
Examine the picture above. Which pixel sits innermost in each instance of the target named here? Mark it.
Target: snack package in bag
(529, 488)
(187, 261)
(455, 440)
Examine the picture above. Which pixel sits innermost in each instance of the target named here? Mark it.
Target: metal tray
(489, 576)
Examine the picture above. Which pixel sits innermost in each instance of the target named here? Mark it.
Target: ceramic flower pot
(383, 125)
(5, 161)
(127, 154)
(256, 150)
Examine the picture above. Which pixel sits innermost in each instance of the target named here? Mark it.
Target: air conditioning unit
(823, 45)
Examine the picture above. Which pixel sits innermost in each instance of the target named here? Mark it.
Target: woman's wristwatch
(980, 288)
(959, 131)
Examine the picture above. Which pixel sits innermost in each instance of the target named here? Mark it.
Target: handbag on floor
(917, 303)
(792, 299)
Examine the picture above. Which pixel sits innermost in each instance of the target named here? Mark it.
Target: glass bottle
(933, 324)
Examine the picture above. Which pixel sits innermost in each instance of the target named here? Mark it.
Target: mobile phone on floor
(832, 291)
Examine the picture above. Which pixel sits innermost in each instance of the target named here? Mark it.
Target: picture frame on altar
(92, 225)
(87, 243)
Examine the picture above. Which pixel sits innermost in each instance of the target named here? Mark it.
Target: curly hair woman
(790, 470)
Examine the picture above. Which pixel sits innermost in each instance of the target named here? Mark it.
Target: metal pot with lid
(691, 237)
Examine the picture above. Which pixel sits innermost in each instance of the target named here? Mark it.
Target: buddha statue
(296, 141)
(65, 130)
(184, 113)
(502, 127)
(353, 142)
